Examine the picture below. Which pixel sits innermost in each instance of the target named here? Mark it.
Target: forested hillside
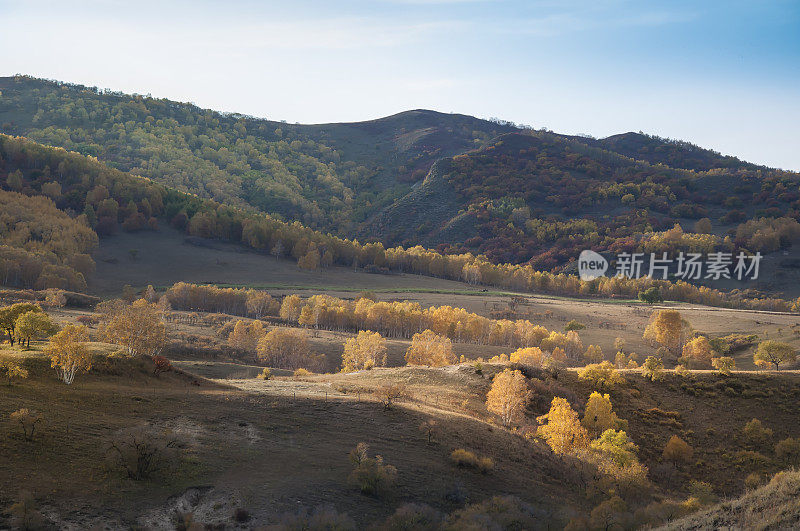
(109, 200)
(515, 195)
(329, 177)
(540, 198)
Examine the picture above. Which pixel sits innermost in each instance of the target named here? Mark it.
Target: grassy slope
(773, 506)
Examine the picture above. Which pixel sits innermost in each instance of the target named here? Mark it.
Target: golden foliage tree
(137, 327)
(697, 353)
(593, 354)
(599, 415)
(668, 329)
(244, 337)
(561, 428)
(508, 396)
(602, 375)
(365, 351)
(68, 352)
(431, 349)
(528, 356)
(286, 348)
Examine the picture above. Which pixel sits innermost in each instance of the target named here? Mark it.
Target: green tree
(775, 353)
(34, 325)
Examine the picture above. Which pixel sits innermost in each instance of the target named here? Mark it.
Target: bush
(677, 450)
(388, 394)
(413, 517)
(301, 372)
(653, 368)
(465, 458)
(499, 512)
(602, 375)
(265, 374)
(369, 474)
(753, 481)
(27, 420)
(756, 434)
(704, 492)
(161, 364)
(574, 325)
(143, 451)
(724, 364)
(788, 451)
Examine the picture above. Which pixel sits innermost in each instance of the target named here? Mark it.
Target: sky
(721, 74)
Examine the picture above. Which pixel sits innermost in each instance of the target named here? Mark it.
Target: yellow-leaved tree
(137, 327)
(509, 396)
(244, 337)
(429, 348)
(286, 348)
(68, 352)
(365, 351)
(561, 428)
(669, 330)
(528, 356)
(599, 415)
(697, 353)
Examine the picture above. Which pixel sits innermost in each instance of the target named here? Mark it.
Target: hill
(327, 176)
(513, 194)
(773, 506)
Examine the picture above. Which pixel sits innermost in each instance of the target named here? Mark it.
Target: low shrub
(467, 459)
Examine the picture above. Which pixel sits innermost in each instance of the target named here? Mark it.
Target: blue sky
(722, 74)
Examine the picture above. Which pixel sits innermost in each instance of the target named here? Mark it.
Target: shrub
(143, 451)
(753, 481)
(413, 517)
(724, 364)
(27, 420)
(602, 375)
(265, 374)
(756, 434)
(653, 368)
(703, 491)
(465, 458)
(788, 451)
(390, 393)
(369, 474)
(13, 369)
(499, 512)
(677, 450)
(574, 325)
(161, 364)
(301, 372)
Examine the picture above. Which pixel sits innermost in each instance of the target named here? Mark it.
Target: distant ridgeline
(104, 199)
(514, 195)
